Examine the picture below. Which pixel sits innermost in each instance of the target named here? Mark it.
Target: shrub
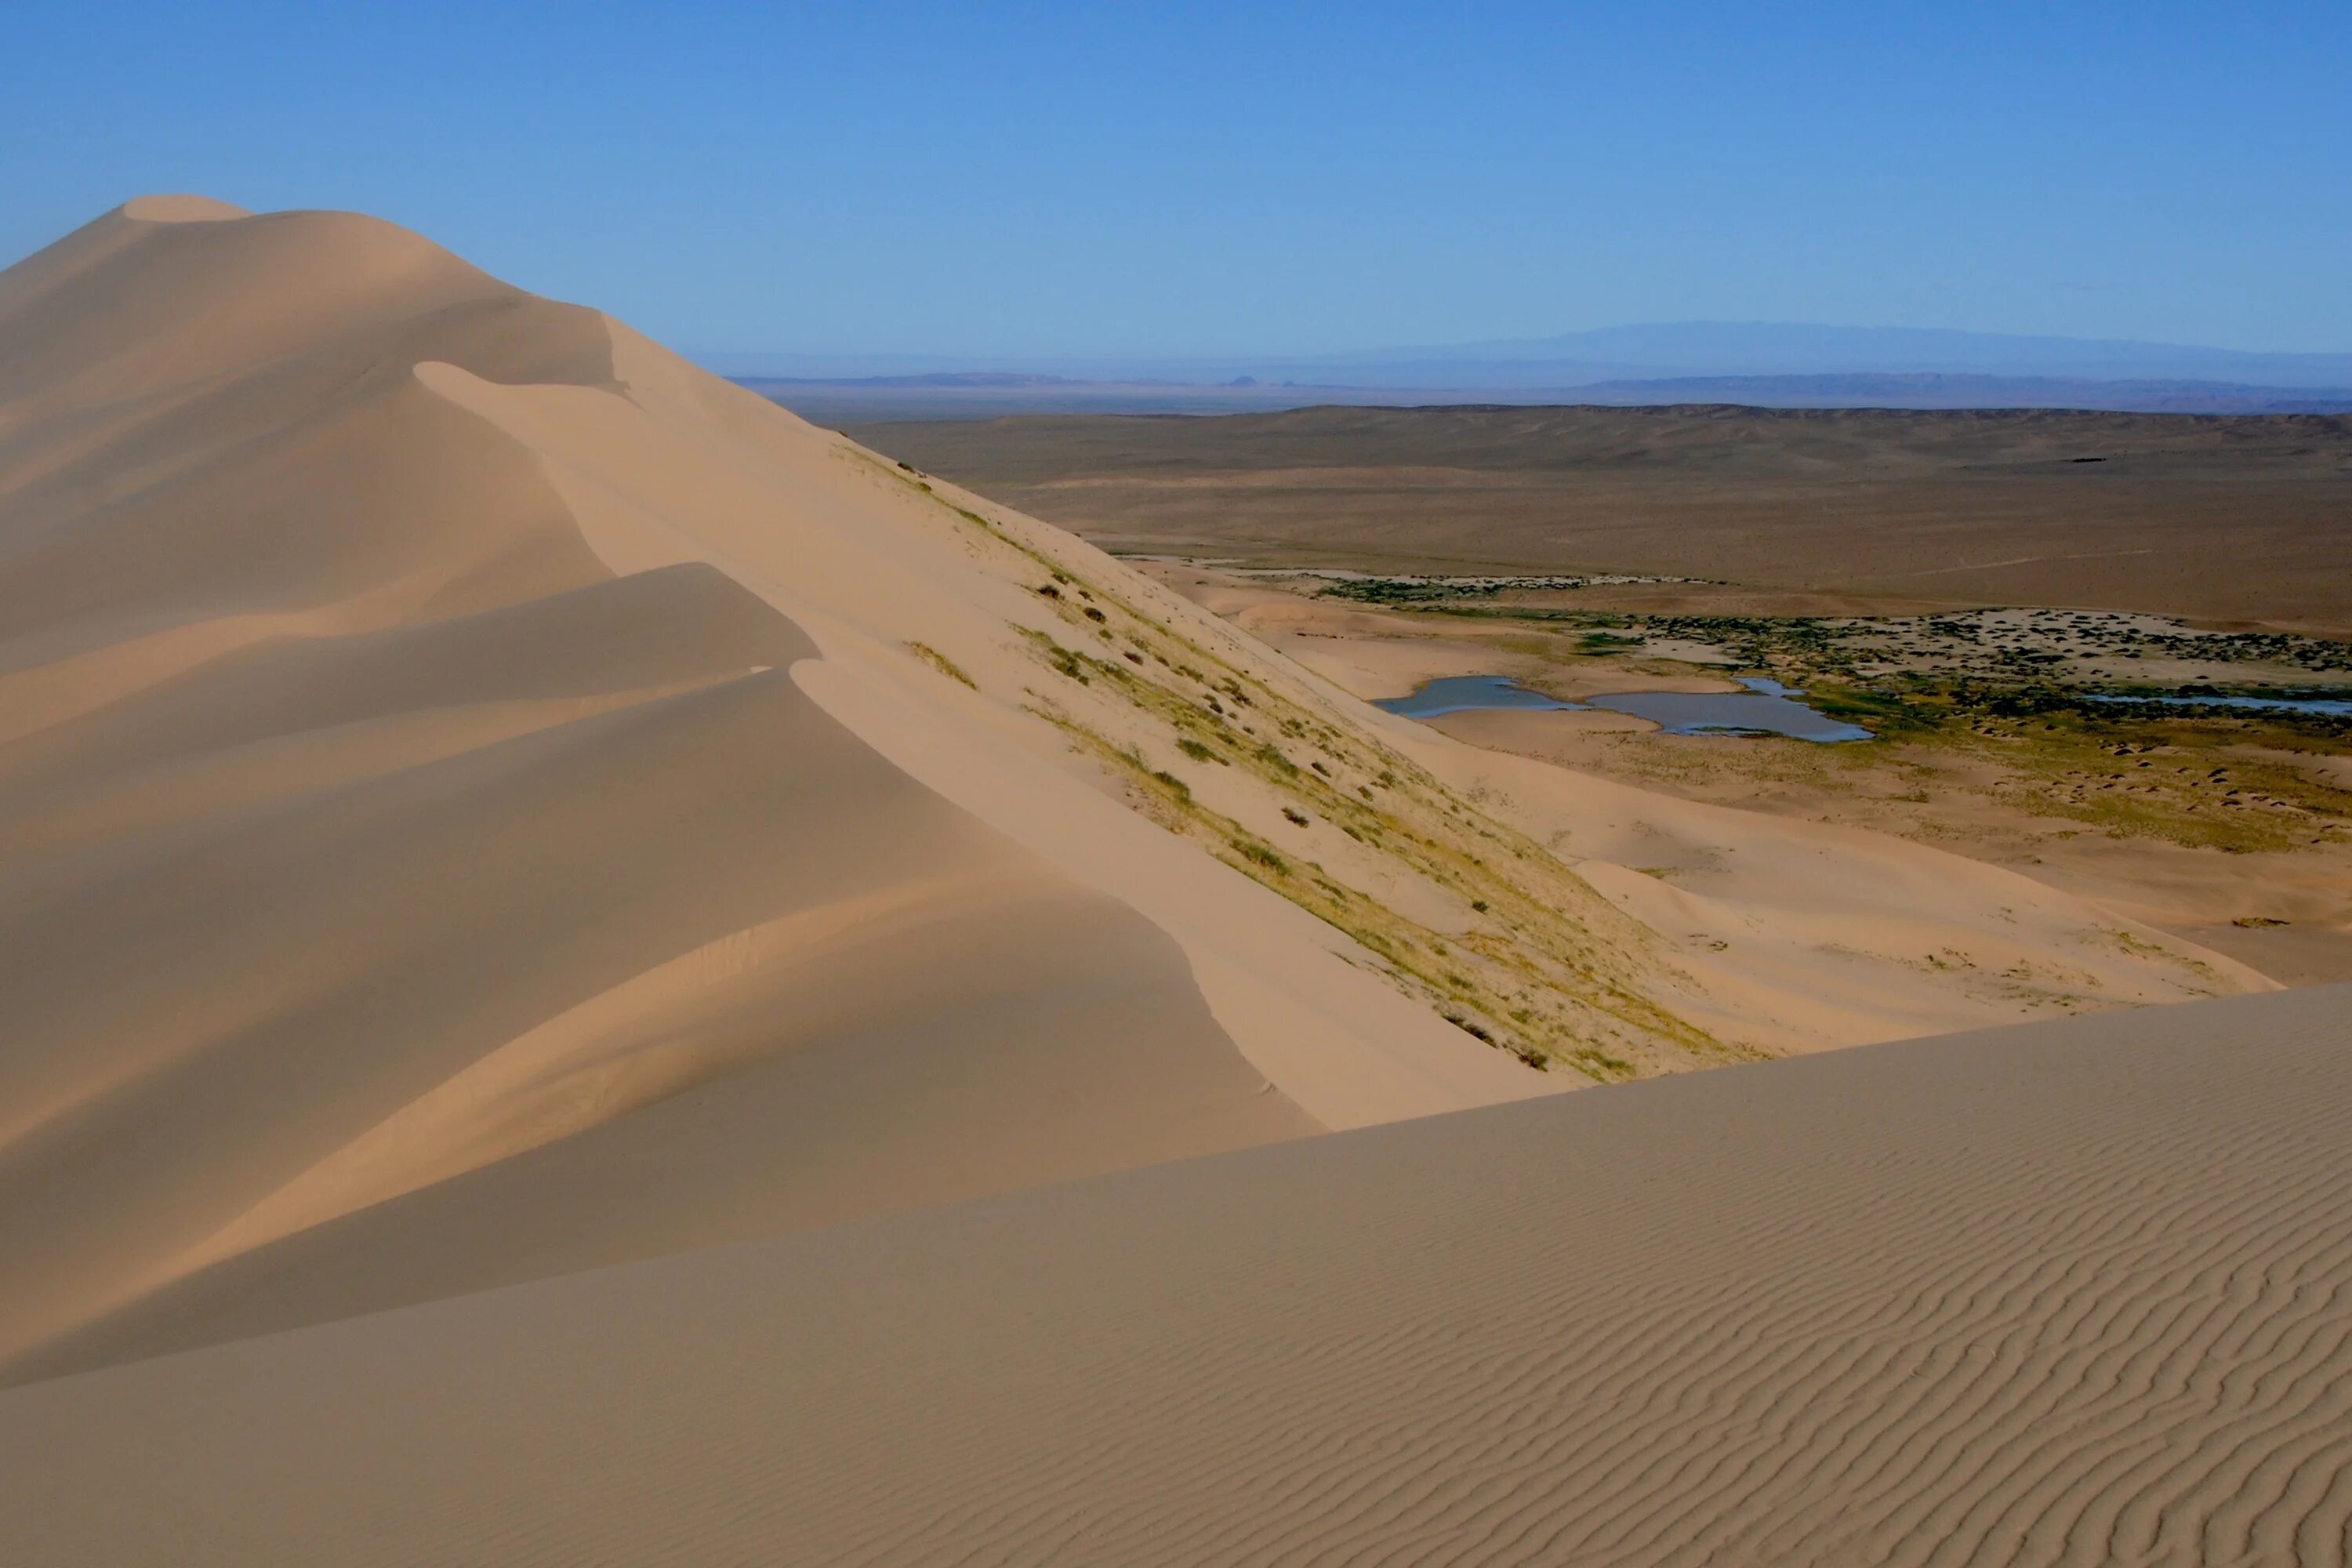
(1262, 854)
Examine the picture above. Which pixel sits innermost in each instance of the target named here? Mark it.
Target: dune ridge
(481, 799)
(2075, 1291)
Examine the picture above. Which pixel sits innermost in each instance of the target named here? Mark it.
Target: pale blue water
(2295, 704)
(1461, 693)
(1766, 708)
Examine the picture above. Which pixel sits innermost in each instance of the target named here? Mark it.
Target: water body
(2293, 704)
(1765, 707)
(1462, 693)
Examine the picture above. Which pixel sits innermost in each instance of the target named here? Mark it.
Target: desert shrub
(1262, 854)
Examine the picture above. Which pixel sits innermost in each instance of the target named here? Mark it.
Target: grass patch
(1260, 853)
(941, 663)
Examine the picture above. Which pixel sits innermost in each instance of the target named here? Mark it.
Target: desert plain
(1963, 581)
(592, 973)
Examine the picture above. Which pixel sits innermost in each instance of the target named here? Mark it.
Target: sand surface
(423, 868)
(2073, 1293)
(484, 804)
(481, 799)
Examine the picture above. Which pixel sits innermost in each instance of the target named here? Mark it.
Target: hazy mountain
(1638, 352)
(1763, 348)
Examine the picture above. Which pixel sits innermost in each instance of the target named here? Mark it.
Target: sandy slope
(365, 834)
(2071, 1292)
(480, 799)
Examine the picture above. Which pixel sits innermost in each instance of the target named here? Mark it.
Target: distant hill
(1511, 370)
(1947, 391)
(1774, 349)
(984, 396)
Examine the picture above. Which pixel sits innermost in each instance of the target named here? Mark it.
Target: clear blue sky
(1111, 178)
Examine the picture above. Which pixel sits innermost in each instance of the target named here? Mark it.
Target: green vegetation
(941, 662)
(1552, 974)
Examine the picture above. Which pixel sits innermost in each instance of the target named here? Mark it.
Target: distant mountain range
(1952, 391)
(1685, 349)
(1768, 364)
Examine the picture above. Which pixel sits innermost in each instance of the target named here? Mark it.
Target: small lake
(1462, 693)
(2292, 704)
(1765, 707)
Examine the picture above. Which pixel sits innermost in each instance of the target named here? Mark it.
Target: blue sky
(1121, 179)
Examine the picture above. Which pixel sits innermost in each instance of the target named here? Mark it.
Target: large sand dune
(482, 800)
(2071, 1292)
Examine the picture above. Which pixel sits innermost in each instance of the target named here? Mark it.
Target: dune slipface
(396, 901)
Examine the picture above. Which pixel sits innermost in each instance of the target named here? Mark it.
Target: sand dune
(482, 800)
(2071, 1292)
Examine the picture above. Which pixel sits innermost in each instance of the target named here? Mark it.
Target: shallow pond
(1766, 708)
(2293, 704)
(1462, 693)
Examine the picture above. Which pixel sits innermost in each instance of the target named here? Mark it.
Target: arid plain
(2229, 519)
(589, 973)
(1959, 580)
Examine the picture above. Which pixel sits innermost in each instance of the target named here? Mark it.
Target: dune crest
(481, 799)
(180, 209)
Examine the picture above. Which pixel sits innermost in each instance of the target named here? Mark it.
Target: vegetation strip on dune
(1534, 977)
